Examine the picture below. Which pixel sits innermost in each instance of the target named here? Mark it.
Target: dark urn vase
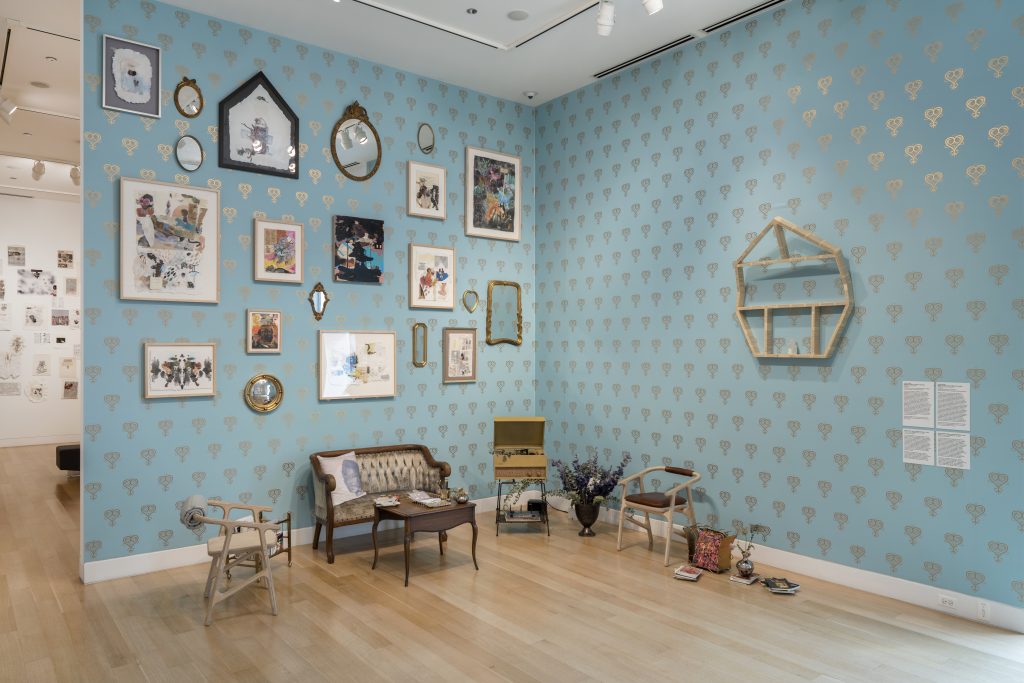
(587, 514)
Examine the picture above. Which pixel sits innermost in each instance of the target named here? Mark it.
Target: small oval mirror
(425, 138)
(318, 300)
(189, 153)
(419, 345)
(355, 144)
(263, 393)
(470, 299)
(188, 98)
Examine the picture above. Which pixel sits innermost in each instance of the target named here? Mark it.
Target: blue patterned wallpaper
(890, 129)
(143, 457)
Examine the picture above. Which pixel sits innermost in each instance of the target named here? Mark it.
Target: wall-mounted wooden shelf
(745, 310)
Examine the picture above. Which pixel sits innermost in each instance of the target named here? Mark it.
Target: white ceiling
(16, 178)
(559, 61)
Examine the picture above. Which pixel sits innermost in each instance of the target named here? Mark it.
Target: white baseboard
(1000, 614)
(58, 439)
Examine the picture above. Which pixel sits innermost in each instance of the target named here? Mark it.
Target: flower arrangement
(587, 482)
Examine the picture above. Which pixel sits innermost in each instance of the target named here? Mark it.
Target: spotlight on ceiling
(360, 134)
(38, 169)
(653, 6)
(76, 175)
(7, 109)
(605, 18)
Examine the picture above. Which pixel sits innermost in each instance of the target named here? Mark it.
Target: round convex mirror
(188, 98)
(263, 393)
(425, 138)
(189, 153)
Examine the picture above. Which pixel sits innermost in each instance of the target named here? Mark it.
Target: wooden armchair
(676, 499)
(238, 542)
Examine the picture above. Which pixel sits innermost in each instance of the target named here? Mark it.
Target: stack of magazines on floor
(781, 586)
(688, 572)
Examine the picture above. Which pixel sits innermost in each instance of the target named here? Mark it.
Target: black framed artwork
(259, 132)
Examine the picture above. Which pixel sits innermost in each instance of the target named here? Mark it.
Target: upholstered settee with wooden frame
(384, 470)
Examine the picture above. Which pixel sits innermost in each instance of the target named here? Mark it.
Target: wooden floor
(540, 609)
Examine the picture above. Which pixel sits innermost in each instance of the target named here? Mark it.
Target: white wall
(42, 226)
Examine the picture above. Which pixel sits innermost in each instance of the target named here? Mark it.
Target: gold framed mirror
(470, 299)
(504, 313)
(318, 300)
(355, 144)
(419, 345)
(188, 98)
(263, 393)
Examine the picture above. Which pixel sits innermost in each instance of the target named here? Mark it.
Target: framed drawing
(262, 331)
(131, 77)
(459, 354)
(493, 194)
(277, 251)
(259, 132)
(357, 365)
(358, 250)
(431, 277)
(426, 190)
(170, 242)
(179, 369)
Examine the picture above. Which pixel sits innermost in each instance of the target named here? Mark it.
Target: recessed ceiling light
(26, 133)
(51, 59)
(13, 177)
(518, 15)
(39, 84)
(471, 10)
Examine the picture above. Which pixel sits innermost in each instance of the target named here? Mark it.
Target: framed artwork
(358, 250)
(65, 259)
(170, 242)
(34, 281)
(131, 77)
(431, 277)
(15, 255)
(259, 132)
(357, 365)
(459, 354)
(179, 369)
(493, 194)
(262, 331)
(426, 191)
(277, 251)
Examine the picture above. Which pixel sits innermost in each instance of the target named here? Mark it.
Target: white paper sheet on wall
(953, 405)
(953, 449)
(919, 446)
(919, 404)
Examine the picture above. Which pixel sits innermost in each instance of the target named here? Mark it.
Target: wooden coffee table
(422, 518)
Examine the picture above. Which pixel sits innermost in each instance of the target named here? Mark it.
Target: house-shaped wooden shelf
(760, 315)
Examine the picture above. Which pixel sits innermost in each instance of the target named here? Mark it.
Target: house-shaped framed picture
(259, 132)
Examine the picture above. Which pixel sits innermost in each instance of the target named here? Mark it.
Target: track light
(605, 18)
(7, 109)
(76, 175)
(361, 136)
(38, 169)
(653, 6)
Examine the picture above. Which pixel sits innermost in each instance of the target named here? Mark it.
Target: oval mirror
(263, 393)
(419, 345)
(355, 144)
(318, 300)
(189, 153)
(425, 138)
(504, 313)
(470, 299)
(188, 98)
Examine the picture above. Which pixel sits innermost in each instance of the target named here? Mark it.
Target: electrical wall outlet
(984, 611)
(947, 602)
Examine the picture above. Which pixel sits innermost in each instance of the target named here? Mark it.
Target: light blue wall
(651, 182)
(143, 457)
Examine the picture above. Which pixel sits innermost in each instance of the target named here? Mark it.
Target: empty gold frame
(318, 300)
(470, 299)
(747, 312)
(504, 312)
(419, 345)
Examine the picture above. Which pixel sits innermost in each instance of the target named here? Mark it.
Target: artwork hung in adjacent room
(357, 365)
(459, 354)
(358, 250)
(36, 392)
(179, 369)
(10, 357)
(70, 286)
(15, 256)
(37, 282)
(431, 277)
(277, 248)
(70, 390)
(10, 389)
(131, 77)
(65, 259)
(67, 368)
(427, 187)
(170, 242)
(59, 317)
(259, 132)
(5, 317)
(263, 331)
(493, 194)
(34, 316)
(41, 365)
(3, 289)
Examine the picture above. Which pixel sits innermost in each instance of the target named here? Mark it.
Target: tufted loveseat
(384, 470)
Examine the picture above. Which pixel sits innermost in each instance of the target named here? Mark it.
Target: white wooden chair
(238, 542)
(676, 499)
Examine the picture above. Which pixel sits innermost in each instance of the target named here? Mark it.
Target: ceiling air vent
(640, 58)
(742, 15)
